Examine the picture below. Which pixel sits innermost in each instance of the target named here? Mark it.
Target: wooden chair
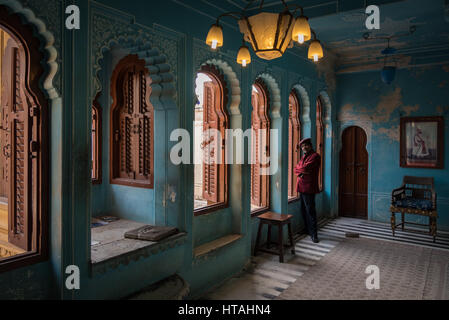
(416, 196)
(279, 220)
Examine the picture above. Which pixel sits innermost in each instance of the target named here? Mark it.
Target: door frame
(344, 124)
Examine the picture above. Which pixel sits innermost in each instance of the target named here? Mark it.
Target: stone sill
(212, 246)
(113, 250)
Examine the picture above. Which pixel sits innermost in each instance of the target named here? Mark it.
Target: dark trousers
(309, 213)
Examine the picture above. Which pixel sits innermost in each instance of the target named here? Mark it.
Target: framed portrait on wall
(422, 142)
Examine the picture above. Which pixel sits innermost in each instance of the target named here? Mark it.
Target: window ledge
(212, 246)
(114, 250)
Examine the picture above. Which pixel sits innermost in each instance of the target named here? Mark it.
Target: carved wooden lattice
(210, 143)
(294, 137)
(16, 105)
(132, 125)
(96, 141)
(260, 146)
(320, 139)
(215, 123)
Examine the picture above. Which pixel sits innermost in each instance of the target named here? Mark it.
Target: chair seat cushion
(421, 204)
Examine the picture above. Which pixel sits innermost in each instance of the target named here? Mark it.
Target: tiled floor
(266, 279)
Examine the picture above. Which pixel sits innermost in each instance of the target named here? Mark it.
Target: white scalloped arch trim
(305, 102)
(233, 84)
(51, 52)
(163, 94)
(275, 94)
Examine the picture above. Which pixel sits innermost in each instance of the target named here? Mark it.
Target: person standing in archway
(307, 171)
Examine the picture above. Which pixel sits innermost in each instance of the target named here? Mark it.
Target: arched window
(320, 139)
(210, 123)
(260, 148)
(96, 141)
(294, 137)
(23, 146)
(132, 125)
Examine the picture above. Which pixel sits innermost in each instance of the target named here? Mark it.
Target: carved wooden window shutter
(260, 121)
(320, 139)
(132, 125)
(294, 137)
(96, 141)
(210, 122)
(18, 106)
(215, 121)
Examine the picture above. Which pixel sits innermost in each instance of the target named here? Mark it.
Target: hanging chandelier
(270, 34)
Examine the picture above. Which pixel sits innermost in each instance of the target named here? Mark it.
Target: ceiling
(340, 25)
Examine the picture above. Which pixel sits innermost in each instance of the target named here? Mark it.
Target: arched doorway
(353, 190)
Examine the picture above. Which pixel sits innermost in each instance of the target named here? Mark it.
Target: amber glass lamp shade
(215, 37)
(301, 30)
(244, 56)
(270, 34)
(315, 51)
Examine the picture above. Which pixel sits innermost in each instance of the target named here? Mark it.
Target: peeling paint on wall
(408, 110)
(391, 133)
(442, 110)
(326, 68)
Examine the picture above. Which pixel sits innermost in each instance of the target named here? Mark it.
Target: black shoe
(315, 239)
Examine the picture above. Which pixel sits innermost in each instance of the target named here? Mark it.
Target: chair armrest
(397, 194)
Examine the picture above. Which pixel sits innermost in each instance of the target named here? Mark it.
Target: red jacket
(310, 167)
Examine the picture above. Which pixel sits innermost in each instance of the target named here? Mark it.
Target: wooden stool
(279, 220)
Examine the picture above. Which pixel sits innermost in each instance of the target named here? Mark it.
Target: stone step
(171, 288)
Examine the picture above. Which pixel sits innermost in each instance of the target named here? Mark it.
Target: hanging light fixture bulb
(244, 56)
(315, 49)
(301, 30)
(270, 34)
(215, 37)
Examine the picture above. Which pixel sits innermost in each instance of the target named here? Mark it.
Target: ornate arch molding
(47, 40)
(231, 81)
(325, 99)
(302, 94)
(143, 42)
(274, 94)
(163, 92)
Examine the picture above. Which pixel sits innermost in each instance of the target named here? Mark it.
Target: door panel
(353, 174)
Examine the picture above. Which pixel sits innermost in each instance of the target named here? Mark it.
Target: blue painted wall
(364, 100)
(74, 200)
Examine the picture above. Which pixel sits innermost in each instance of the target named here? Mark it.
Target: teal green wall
(86, 59)
(364, 100)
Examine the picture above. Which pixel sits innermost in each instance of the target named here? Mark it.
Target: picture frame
(422, 142)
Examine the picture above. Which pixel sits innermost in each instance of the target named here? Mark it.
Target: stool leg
(258, 238)
(281, 244)
(393, 222)
(290, 234)
(433, 227)
(403, 218)
(269, 236)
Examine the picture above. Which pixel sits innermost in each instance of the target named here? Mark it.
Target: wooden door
(353, 174)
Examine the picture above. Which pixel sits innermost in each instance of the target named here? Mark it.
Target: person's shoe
(315, 239)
